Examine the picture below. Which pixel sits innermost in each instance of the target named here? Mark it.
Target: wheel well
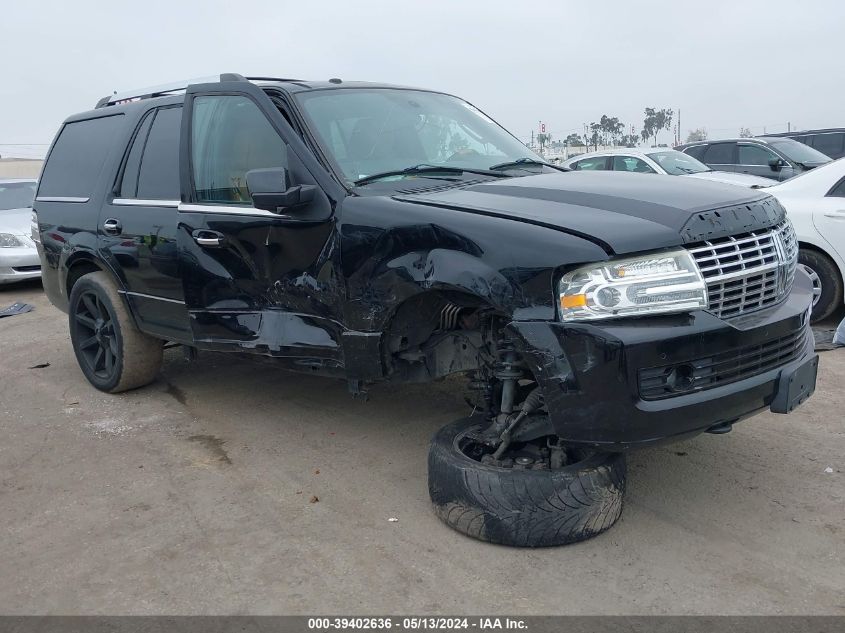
(812, 247)
(436, 333)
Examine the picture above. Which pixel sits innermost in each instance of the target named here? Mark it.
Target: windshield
(371, 131)
(677, 163)
(16, 195)
(798, 152)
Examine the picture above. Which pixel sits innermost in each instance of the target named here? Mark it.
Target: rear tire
(523, 508)
(827, 284)
(112, 353)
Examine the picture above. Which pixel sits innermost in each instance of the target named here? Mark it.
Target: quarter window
(838, 190)
(696, 151)
(229, 137)
(76, 160)
(755, 155)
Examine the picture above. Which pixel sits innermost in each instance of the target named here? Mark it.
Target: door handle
(208, 239)
(112, 227)
(838, 214)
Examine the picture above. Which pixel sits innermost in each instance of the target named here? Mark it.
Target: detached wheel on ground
(827, 284)
(112, 353)
(537, 495)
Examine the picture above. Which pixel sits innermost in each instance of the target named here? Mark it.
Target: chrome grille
(749, 271)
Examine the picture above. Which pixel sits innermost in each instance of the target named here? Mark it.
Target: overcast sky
(725, 65)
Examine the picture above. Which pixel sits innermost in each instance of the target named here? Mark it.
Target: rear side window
(696, 151)
(719, 154)
(152, 167)
(77, 157)
(591, 164)
(830, 144)
(631, 163)
(129, 186)
(158, 178)
(229, 137)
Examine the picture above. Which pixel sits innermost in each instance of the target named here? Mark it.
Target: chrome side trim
(140, 202)
(226, 210)
(61, 199)
(141, 294)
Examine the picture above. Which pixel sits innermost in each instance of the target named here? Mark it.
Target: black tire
(523, 508)
(112, 353)
(829, 279)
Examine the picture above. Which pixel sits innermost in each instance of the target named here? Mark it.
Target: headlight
(630, 286)
(7, 240)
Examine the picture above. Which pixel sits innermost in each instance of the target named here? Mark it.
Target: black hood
(622, 212)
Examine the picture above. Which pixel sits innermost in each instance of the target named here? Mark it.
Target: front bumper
(18, 264)
(590, 374)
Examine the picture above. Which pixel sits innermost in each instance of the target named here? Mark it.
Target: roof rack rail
(165, 89)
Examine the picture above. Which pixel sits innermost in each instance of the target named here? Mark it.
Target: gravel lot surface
(232, 487)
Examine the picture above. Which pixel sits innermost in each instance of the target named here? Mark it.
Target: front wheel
(534, 497)
(827, 284)
(112, 353)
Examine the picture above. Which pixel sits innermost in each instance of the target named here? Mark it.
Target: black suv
(770, 157)
(378, 233)
(830, 141)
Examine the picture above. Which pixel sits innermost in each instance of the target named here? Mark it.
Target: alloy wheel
(816, 281)
(97, 338)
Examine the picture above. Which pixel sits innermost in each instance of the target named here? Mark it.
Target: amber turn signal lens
(573, 301)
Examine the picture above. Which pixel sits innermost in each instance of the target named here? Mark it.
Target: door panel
(253, 280)
(829, 218)
(137, 230)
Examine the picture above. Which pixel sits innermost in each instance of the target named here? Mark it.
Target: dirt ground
(194, 495)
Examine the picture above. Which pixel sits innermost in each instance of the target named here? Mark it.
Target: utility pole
(788, 126)
(678, 141)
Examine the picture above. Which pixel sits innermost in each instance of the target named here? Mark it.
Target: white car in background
(18, 255)
(815, 202)
(658, 160)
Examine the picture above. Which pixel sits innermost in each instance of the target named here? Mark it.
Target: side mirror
(776, 164)
(271, 190)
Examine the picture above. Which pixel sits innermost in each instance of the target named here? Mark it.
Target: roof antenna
(335, 80)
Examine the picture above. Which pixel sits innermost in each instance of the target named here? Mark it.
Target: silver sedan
(18, 255)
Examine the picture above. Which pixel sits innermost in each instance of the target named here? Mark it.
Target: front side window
(372, 131)
(631, 163)
(16, 195)
(591, 164)
(229, 137)
(799, 152)
(755, 155)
